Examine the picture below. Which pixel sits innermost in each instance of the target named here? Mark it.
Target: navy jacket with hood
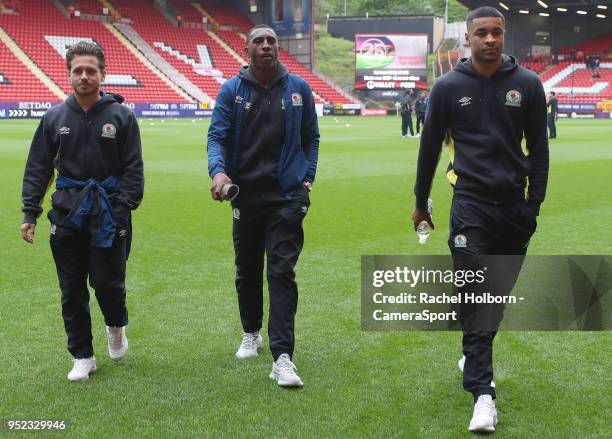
(99, 143)
(485, 121)
(300, 149)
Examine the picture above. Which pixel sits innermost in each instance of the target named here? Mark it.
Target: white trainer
(251, 341)
(284, 372)
(117, 342)
(461, 364)
(81, 368)
(484, 418)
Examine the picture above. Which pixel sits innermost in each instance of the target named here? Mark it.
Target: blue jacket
(103, 233)
(299, 155)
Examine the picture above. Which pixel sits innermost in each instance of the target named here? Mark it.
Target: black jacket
(486, 120)
(262, 131)
(420, 106)
(406, 107)
(96, 144)
(553, 105)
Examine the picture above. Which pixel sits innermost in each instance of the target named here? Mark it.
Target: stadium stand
(17, 83)
(37, 32)
(226, 16)
(206, 49)
(573, 81)
(186, 49)
(93, 7)
(572, 78)
(578, 82)
(601, 46)
(203, 57)
(231, 22)
(536, 66)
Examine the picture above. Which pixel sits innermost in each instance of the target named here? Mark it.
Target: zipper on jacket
(86, 146)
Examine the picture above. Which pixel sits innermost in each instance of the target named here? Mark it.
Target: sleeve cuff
(216, 170)
(421, 202)
(29, 218)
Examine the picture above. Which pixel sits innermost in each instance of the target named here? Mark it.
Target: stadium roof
(596, 9)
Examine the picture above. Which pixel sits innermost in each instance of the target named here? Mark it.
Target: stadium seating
(226, 15)
(154, 28)
(601, 46)
(17, 83)
(43, 32)
(536, 66)
(93, 7)
(573, 82)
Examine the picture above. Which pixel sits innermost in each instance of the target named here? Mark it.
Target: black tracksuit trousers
(420, 121)
(275, 230)
(551, 121)
(407, 124)
(76, 260)
(476, 229)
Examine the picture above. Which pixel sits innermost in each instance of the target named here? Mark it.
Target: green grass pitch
(181, 379)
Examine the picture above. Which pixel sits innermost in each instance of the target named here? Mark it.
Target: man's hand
(27, 232)
(419, 215)
(219, 180)
(307, 186)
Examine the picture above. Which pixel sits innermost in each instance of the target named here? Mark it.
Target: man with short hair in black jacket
(420, 108)
(553, 110)
(406, 113)
(485, 106)
(93, 142)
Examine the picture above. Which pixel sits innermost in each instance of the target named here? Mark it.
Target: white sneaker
(284, 372)
(81, 368)
(251, 341)
(484, 418)
(461, 364)
(117, 342)
(404, 136)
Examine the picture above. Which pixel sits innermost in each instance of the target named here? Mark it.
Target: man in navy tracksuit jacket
(264, 137)
(420, 107)
(484, 108)
(93, 143)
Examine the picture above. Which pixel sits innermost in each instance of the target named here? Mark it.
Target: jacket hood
(105, 99)
(247, 74)
(465, 65)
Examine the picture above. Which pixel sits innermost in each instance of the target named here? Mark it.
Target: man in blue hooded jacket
(264, 138)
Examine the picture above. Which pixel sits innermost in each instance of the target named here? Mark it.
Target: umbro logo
(466, 100)
(64, 130)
